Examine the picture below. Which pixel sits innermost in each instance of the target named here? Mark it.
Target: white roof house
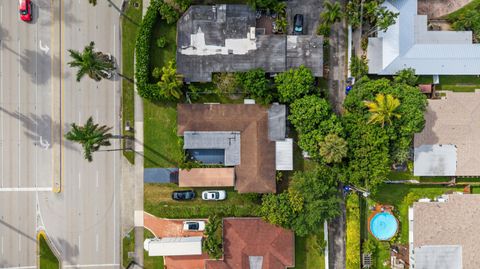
(173, 246)
(408, 43)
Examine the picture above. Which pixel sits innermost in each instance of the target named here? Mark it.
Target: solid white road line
(19, 111)
(25, 189)
(79, 117)
(79, 180)
(22, 267)
(19, 243)
(97, 179)
(2, 244)
(90, 265)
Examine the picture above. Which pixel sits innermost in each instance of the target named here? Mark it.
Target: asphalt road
(81, 221)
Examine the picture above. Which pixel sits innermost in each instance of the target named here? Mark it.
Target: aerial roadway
(45, 182)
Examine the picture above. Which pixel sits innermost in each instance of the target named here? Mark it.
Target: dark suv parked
(298, 24)
(183, 195)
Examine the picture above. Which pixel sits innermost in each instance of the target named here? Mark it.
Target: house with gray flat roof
(409, 44)
(224, 38)
(445, 233)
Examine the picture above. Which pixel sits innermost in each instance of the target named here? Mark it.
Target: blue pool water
(383, 226)
(208, 156)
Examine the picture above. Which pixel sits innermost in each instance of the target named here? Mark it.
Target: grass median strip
(48, 260)
(130, 24)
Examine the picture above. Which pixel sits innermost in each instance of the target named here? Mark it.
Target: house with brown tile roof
(251, 243)
(449, 145)
(445, 234)
(255, 127)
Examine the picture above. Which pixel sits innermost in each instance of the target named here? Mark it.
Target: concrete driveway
(310, 9)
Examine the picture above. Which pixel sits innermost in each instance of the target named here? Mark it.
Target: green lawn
(158, 201)
(151, 262)
(48, 260)
(161, 56)
(401, 196)
(130, 23)
(308, 251)
(162, 145)
(128, 246)
(454, 83)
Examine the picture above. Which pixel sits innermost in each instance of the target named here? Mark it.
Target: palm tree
(332, 12)
(93, 2)
(333, 148)
(382, 109)
(95, 64)
(91, 136)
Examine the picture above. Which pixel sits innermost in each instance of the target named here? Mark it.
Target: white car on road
(194, 225)
(214, 195)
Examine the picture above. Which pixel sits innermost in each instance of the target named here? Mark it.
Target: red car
(25, 9)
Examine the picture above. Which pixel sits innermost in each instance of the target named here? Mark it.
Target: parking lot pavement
(310, 9)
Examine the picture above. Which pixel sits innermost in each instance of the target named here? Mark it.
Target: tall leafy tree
(320, 198)
(313, 118)
(371, 147)
(90, 62)
(332, 12)
(383, 109)
(294, 83)
(311, 199)
(333, 148)
(91, 136)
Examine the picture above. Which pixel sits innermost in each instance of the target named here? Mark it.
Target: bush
(225, 83)
(161, 42)
(353, 232)
(142, 54)
(256, 85)
(358, 67)
(212, 244)
(406, 76)
(168, 13)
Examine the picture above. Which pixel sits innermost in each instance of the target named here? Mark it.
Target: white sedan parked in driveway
(194, 225)
(215, 195)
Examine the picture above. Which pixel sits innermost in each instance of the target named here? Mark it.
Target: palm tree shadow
(32, 63)
(40, 127)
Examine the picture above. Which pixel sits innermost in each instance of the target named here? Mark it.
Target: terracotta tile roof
(454, 120)
(256, 172)
(244, 237)
(454, 222)
(206, 177)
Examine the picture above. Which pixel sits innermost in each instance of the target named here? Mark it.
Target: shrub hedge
(353, 232)
(142, 54)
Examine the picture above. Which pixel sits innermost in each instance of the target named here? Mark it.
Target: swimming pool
(383, 226)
